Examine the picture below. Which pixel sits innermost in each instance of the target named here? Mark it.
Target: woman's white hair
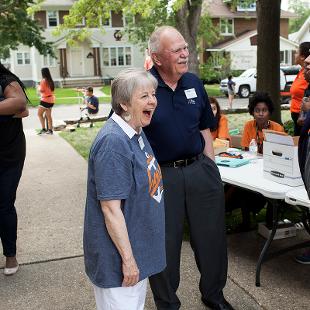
(124, 85)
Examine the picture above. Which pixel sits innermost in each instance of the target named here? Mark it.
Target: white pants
(121, 298)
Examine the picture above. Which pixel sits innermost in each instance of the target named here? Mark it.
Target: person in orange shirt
(221, 128)
(299, 85)
(260, 107)
(46, 89)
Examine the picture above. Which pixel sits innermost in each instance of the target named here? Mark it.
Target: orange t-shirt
(222, 130)
(46, 93)
(297, 91)
(249, 132)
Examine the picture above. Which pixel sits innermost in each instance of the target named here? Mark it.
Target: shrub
(289, 127)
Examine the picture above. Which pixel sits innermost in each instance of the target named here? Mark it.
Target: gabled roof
(223, 45)
(245, 36)
(96, 38)
(297, 36)
(219, 9)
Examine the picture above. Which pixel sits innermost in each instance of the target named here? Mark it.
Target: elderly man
(180, 137)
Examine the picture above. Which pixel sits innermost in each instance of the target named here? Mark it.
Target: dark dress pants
(196, 193)
(9, 179)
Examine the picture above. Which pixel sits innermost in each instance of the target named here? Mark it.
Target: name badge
(190, 93)
(141, 143)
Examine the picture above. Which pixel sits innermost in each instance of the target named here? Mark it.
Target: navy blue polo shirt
(174, 132)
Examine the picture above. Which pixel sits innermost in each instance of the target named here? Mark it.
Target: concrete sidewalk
(50, 205)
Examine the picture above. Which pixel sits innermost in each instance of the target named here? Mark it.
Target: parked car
(246, 82)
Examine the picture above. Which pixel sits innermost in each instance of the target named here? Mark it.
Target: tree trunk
(187, 22)
(268, 51)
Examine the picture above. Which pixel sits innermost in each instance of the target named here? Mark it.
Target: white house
(98, 58)
(303, 34)
(243, 50)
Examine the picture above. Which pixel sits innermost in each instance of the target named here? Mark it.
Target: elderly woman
(124, 239)
(13, 107)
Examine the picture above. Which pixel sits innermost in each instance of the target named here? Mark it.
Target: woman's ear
(124, 107)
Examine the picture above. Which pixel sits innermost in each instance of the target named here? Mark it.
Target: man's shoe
(303, 258)
(49, 132)
(225, 305)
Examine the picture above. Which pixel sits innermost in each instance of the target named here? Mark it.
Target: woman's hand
(130, 272)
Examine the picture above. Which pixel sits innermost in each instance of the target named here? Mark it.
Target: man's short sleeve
(113, 175)
(207, 119)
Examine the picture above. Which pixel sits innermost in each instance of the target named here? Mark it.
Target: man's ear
(156, 59)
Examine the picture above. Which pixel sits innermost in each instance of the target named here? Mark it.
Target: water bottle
(253, 147)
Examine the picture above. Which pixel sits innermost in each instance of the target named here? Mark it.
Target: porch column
(63, 63)
(97, 69)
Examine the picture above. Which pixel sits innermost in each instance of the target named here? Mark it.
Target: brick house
(238, 31)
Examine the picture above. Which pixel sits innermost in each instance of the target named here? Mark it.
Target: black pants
(196, 193)
(9, 179)
(297, 128)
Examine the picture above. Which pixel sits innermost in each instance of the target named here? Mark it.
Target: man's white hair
(154, 41)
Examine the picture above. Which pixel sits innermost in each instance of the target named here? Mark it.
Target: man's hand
(130, 272)
(305, 105)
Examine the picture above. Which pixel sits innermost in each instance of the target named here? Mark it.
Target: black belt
(179, 163)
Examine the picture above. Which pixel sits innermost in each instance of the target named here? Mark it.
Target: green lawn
(82, 138)
(213, 90)
(62, 95)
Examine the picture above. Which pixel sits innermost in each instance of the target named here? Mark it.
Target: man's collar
(182, 83)
(128, 130)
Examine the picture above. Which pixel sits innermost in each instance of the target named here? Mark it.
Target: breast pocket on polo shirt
(192, 106)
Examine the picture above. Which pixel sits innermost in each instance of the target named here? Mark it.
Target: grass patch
(82, 138)
(213, 90)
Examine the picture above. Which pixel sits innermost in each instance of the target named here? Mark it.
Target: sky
(284, 4)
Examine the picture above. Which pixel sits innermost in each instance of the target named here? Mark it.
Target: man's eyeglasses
(179, 50)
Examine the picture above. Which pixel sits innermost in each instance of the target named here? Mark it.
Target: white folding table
(251, 177)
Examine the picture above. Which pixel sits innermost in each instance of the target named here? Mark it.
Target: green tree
(185, 15)
(302, 13)
(18, 27)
